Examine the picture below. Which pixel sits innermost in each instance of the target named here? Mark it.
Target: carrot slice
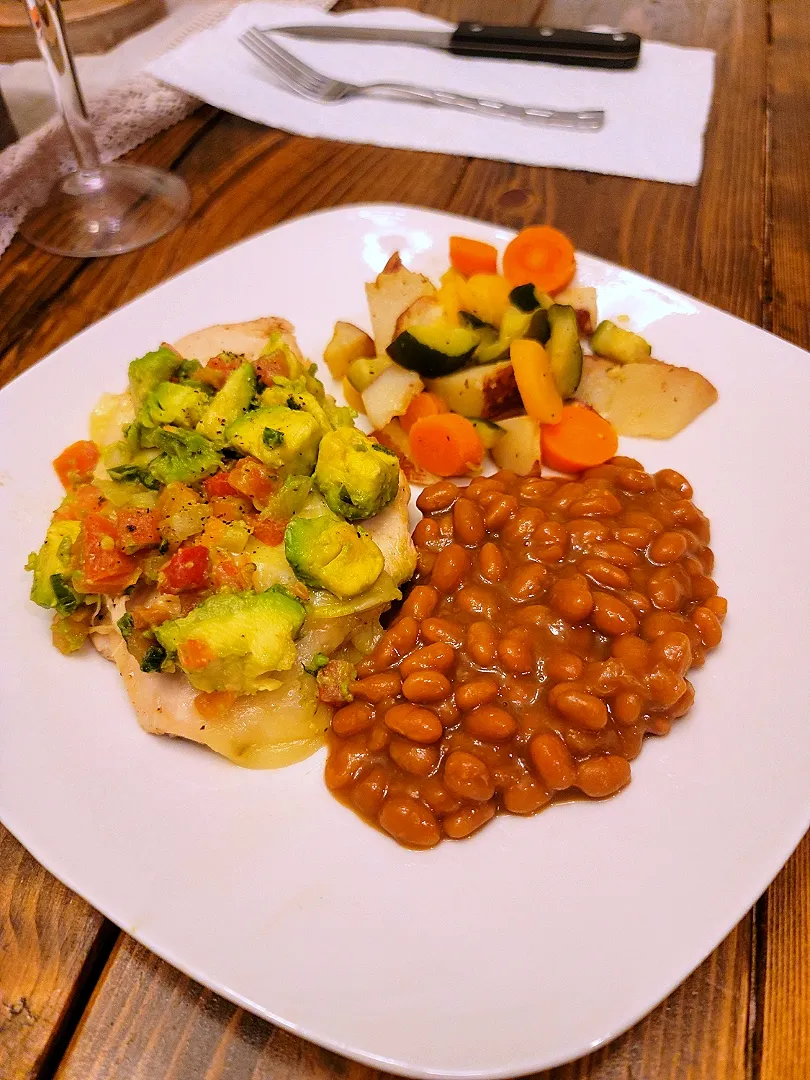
(424, 404)
(579, 441)
(446, 444)
(532, 371)
(472, 256)
(542, 256)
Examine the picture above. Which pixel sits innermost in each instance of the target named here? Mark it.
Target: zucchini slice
(488, 432)
(515, 324)
(527, 298)
(434, 350)
(363, 371)
(563, 349)
(623, 346)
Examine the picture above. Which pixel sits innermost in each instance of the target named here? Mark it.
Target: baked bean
(489, 723)
(482, 643)
(673, 649)
(626, 707)
(344, 764)
(425, 687)
(596, 504)
(619, 554)
(524, 796)
(353, 718)
(602, 775)
(436, 657)
(612, 616)
(428, 534)
(553, 761)
(528, 582)
(478, 600)
(420, 603)
(375, 688)
(410, 822)
(370, 791)
(450, 567)
(578, 706)
(515, 652)
(708, 626)
(500, 511)
(446, 630)
(551, 625)
(505, 477)
(414, 758)
(465, 822)
(401, 637)
(563, 666)
(476, 692)
(523, 526)
(439, 496)
(572, 599)
(491, 563)
(412, 721)
(468, 777)
(605, 573)
(669, 480)
(634, 480)
(668, 547)
(468, 524)
(621, 461)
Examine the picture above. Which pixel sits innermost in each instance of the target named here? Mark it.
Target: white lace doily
(124, 116)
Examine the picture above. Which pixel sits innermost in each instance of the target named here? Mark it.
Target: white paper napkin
(656, 114)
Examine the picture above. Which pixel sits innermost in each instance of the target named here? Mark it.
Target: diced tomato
(137, 528)
(104, 567)
(269, 531)
(194, 654)
(253, 479)
(82, 500)
(217, 370)
(213, 706)
(228, 572)
(75, 464)
(219, 485)
(186, 569)
(267, 367)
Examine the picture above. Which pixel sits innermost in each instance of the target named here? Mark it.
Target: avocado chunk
(289, 499)
(52, 560)
(155, 367)
(172, 403)
(186, 457)
(356, 476)
(328, 553)
(286, 440)
(251, 636)
(614, 343)
(229, 403)
(293, 396)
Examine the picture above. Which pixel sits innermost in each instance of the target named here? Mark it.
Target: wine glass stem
(49, 27)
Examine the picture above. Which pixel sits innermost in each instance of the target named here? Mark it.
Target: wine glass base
(107, 211)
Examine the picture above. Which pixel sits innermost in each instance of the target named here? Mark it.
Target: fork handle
(581, 120)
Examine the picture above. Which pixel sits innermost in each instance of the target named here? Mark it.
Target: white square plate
(533, 942)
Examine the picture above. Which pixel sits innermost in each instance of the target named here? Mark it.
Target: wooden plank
(50, 940)
(785, 962)
(146, 1020)
(31, 280)
(244, 178)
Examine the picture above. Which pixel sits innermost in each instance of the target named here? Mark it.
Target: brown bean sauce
(549, 628)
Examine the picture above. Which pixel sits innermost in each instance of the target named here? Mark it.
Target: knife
(580, 48)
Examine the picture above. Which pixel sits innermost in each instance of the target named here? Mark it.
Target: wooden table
(81, 1001)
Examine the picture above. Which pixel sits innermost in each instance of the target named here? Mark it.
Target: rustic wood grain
(784, 968)
(145, 1020)
(49, 939)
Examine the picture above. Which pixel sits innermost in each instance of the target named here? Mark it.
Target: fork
(308, 83)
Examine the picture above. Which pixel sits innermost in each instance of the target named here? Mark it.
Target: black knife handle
(581, 48)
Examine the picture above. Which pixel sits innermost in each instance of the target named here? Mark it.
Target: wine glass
(98, 209)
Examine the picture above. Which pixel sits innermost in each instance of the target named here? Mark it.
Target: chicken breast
(273, 727)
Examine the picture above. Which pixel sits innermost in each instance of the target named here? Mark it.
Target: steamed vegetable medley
(218, 507)
(491, 361)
